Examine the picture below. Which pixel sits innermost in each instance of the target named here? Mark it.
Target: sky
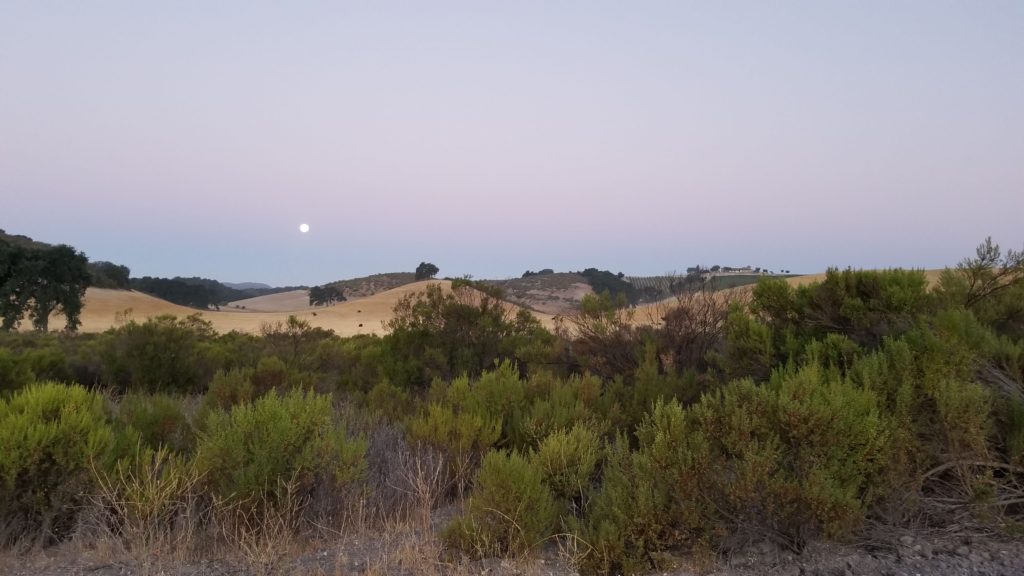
(192, 138)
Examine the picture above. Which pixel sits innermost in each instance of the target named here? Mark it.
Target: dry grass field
(107, 308)
(292, 301)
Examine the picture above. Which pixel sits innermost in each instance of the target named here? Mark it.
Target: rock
(963, 551)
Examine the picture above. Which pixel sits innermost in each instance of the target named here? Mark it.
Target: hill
(24, 241)
(106, 308)
(555, 293)
(355, 288)
(291, 301)
(247, 285)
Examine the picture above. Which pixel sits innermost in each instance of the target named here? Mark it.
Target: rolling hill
(105, 309)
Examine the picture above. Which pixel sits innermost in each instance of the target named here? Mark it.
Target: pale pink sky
(193, 138)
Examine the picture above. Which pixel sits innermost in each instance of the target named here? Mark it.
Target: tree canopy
(39, 282)
(325, 295)
(426, 270)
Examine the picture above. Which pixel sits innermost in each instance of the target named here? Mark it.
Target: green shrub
(14, 372)
(629, 521)
(252, 450)
(229, 389)
(964, 417)
(498, 394)
(556, 404)
(270, 374)
(163, 354)
(798, 457)
(1015, 432)
(568, 459)
(465, 418)
(510, 510)
(159, 419)
(462, 436)
(51, 436)
(834, 351)
(390, 401)
(864, 305)
(748, 350)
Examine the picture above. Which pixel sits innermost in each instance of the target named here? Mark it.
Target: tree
(325, 295)
(439, 334)
(14, 289)
(109, 275)
(990, 272)
(40, 282)
(60, 285)
(426, 270)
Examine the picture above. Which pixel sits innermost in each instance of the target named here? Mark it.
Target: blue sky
(192, 138)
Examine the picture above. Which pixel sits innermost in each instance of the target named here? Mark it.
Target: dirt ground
(405, 551)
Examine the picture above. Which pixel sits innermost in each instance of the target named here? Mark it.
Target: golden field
(105, 308)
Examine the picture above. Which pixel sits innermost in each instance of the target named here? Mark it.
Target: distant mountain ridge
(247, 285)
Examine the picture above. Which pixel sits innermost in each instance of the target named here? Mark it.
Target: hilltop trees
(325, 295)
(109, 275)
(40, 282)
(176, 290)
(615, 284)
(426, 270)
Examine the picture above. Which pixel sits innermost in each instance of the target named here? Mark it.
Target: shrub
(629, 520)
(160, 355)
(510, 511)
(864, 305)
(270, 374)
(1015, 432)
(605, 340)
(557, 404)
(463, 436)
(568, 459)
(798, 457)
(14, 372)
(748, 350)
(834, 351)
(390, 401)
(229, 389)
(249, 452)
(51, 435)
(497, 394)
(443, 334)
(159, 419)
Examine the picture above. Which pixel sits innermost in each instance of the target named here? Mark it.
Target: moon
(303, 228)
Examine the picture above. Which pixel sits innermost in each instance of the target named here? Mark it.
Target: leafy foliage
(510, 511)
(426, 270)
(325, 295)
(51, 436)
(39, 282)
(251, 451)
